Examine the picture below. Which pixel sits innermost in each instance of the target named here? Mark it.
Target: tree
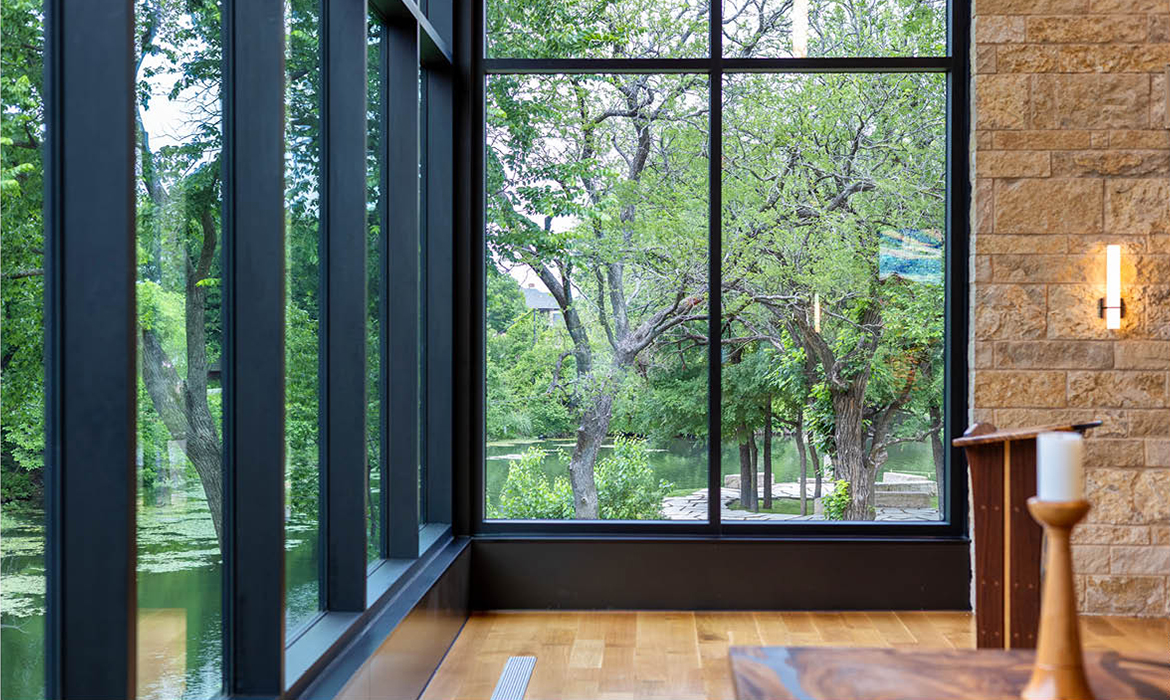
(615, 160)
(820, 168)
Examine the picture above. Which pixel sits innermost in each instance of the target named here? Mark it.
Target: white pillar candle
(1060, 473)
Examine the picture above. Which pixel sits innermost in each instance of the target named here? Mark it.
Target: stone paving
(694, 507)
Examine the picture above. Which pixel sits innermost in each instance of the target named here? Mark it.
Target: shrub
(836, 503)
(626, 487)
(528, 495)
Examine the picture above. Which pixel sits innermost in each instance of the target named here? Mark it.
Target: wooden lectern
(1007, 540)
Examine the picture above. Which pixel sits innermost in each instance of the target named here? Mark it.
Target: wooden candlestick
(1059, 671)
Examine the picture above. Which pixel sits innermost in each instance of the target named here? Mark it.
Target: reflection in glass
(834, 195)
(621, 29)
(833, 28)
(22, 347)
(374, 428)
(596, 297)
(180, 507)
(302, 309)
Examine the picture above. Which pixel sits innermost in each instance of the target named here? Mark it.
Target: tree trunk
(939, 453)
(745, 468)
(768, 455)
(848, 407)
(755, 487)
(189, 421)
(815, 458)
(803, 463)
(590, 436)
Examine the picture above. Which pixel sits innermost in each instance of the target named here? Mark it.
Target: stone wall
(1072, 152)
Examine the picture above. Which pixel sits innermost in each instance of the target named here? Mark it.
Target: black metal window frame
(91, 339)
(955, 65)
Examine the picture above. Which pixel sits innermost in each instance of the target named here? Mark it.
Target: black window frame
(91, 344)
(955, 65)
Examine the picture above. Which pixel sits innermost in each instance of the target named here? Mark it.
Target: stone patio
(694, 507)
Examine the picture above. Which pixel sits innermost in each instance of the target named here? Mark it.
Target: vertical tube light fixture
(1111, 307)
(817, 312)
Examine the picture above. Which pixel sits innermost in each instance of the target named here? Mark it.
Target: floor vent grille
(514, 680)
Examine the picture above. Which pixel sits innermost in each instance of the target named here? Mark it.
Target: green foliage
(626, 486)
(528, 495)
(505, 301)
(836, 503)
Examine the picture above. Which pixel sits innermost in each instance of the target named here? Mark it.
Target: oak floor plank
(683, 655)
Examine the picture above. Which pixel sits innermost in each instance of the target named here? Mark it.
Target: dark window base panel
(698, 574)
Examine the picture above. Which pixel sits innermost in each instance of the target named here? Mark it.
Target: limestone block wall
(1071, 151)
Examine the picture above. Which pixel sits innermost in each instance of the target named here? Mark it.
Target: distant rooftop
(536, 299)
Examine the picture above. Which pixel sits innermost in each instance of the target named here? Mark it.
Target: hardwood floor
(683, 655)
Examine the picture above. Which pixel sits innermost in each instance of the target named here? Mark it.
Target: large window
(716, 261)
(22, 347)
(180, 347)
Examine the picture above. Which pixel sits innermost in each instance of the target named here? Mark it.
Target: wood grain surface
(809, 673)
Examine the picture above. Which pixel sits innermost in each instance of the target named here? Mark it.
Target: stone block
(1009, 311)
(1027, 58)
(1140, 138)
(1160, 534)
(984, 355)
(1052, 205)
(1138, 560)
(1151, 497)
(998, 29)
(1137, 206)
(982, 268)
(983, 205)
(1111, 493)
(1048, 140)
(1159, 29)
(1014, 163)
(1142, 354)
(1132, 6)
(1158, 452)
(985, 58)
(996, 388)
(1090, 101)
(1114, 453)
(1111, 58)
(1110, 163)
(1090, 559)
(1001, 101)
(1033, 7)
(1149, 423)
(1072, 313)
(1087, 29)
(1048, 354)
(1117, 389)
(1043, 268)
(1021, 244)
(1114, 424)
(1111, 534)
(1158, 103)
(1125, 595)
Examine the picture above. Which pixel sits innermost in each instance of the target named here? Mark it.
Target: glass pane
(373, 348)
(180, 506)
(621, 29)
(834, 196)
(597, 297)
(22, 345)
(302, 309)
(834, 28)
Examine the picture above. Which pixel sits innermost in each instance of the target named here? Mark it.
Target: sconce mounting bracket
(1101, 307)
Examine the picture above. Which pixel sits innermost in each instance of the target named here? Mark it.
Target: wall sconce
(800, 28)
(817, 312)
(1111, 307)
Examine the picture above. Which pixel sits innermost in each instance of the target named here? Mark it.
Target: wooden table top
(835, 673)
